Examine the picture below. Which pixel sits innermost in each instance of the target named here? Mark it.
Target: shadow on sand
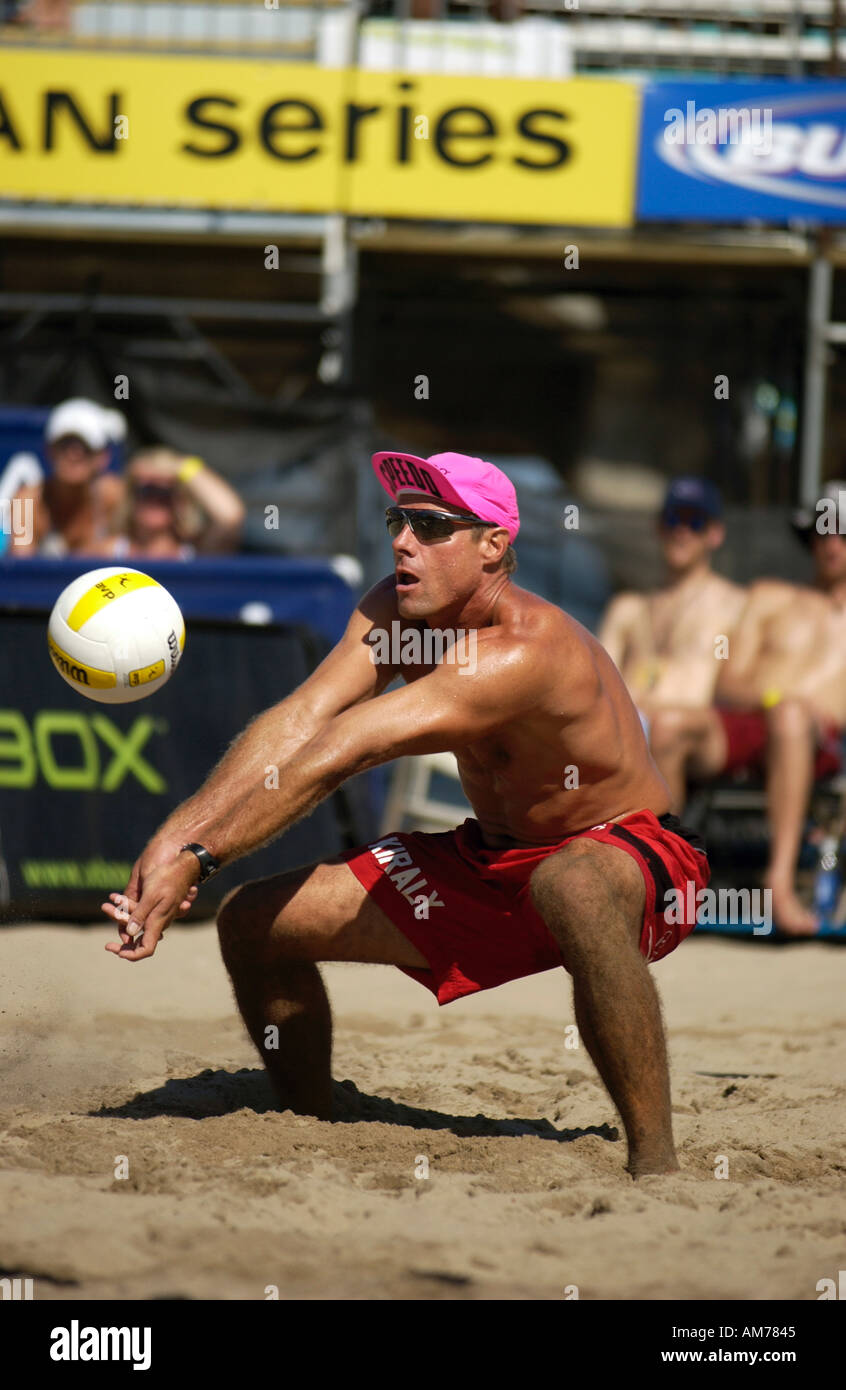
(224, 1092)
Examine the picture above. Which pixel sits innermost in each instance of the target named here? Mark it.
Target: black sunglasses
(427, 526)
(153, 492)
(691, 517)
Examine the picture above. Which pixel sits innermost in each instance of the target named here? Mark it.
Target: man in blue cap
(666, 642)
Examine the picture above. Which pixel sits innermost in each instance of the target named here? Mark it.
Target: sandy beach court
(110, 1068)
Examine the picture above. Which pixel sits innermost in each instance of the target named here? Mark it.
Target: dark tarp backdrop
(83, 785)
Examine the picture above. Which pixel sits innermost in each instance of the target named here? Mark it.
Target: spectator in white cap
(76, 507)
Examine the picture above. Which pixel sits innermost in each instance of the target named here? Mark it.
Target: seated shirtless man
(571, 858)
(782, 698)
(665, 642)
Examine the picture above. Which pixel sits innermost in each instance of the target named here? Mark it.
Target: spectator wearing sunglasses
(177, 508)
(666, 642)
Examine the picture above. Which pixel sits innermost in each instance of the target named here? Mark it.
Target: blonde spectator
(176, 507)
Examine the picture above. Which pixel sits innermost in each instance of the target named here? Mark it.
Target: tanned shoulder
(625, 607)
(542, 635)
(767, 596)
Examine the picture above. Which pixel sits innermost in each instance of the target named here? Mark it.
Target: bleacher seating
(636, 37)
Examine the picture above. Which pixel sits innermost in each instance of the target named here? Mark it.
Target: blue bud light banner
(732, 151)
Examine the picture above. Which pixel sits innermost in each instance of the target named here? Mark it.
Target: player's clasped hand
(166, 892)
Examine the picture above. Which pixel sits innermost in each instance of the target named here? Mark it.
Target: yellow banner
(494, 149)
(200, 132)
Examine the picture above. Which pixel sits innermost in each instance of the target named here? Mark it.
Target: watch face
(208, 865)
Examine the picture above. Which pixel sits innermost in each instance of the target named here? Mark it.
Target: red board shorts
(746, 739)
(479, 928)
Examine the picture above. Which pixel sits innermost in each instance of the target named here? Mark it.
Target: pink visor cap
(457, 479)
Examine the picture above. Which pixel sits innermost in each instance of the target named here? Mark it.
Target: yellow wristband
(771, 697)
(188, 468)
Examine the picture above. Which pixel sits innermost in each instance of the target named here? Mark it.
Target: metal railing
(650, 37)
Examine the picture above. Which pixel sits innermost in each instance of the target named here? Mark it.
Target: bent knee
(249, 913)
(589, 891)
(671, 729)
(238, 921)
(567, 882)
(790, 718)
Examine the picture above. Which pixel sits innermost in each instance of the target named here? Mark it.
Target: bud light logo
(728, 151)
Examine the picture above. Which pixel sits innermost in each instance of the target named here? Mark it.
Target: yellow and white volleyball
(115, 635)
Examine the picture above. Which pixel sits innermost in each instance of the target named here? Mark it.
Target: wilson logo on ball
(84, 675)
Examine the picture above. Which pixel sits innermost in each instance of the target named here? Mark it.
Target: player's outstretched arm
(346, 677)
(443, 710)
(448, 708)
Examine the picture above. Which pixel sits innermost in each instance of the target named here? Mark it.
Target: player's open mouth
(405, 581)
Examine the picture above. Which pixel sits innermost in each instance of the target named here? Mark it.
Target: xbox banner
(83, 786)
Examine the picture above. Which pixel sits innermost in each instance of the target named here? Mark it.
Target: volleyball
(115, 635)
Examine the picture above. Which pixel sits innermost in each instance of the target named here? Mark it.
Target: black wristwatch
(208, 864)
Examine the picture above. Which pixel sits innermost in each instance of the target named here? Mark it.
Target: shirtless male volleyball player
(569, 860)
(782, 697)
(665, 642)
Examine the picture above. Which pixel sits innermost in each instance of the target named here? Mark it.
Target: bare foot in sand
(790, 916)
(658, 1161)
